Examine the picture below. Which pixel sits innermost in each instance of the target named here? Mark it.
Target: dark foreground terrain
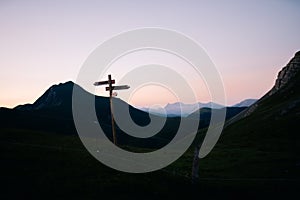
(47, 166)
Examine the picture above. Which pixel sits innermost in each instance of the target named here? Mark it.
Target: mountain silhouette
(52, 112)
(205, 114)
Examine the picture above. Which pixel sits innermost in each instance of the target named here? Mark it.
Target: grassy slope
(264, 145)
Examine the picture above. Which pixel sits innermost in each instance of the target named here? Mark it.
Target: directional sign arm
(104, 82)
(121, 87)
(118, 87)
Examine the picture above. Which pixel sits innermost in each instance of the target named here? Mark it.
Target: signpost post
(110, 88)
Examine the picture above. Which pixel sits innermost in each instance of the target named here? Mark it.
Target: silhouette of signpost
(110, 88)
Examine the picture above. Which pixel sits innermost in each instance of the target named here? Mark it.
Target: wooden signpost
(110, 88)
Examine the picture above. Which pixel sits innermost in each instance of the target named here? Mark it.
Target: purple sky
(46, 42)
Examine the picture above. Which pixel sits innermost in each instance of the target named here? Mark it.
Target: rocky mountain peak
(287, 73)
(55, 96)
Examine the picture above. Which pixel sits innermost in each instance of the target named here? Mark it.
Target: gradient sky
(46, 42)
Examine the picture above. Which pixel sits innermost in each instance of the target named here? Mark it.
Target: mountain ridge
(52, 112)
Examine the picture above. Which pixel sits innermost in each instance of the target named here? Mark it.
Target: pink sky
(45, 43)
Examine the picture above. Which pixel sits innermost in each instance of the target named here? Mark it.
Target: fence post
(195, 168)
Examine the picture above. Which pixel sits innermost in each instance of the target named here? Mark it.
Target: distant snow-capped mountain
(181, 109)
(245, 103)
